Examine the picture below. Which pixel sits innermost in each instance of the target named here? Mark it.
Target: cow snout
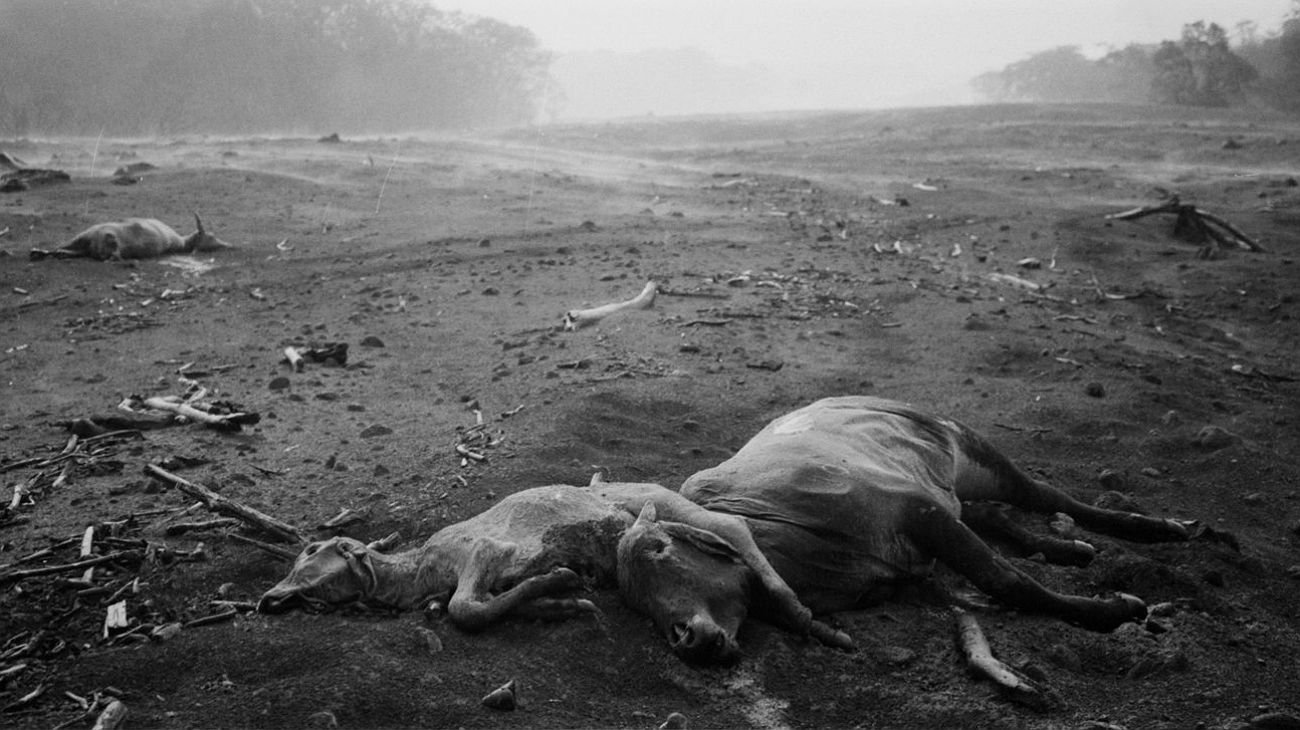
(703, 642)
(281, 600)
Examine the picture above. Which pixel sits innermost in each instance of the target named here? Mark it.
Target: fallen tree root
(980, 660)
(577, 318)
(223, 506)
(1194, 224)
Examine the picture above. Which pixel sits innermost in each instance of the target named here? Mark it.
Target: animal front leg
(785, 606)
(945, 537)
(473, 607)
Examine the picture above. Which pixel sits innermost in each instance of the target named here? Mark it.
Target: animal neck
(407, 579)
(190, 242)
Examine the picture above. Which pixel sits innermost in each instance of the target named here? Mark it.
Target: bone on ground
(577, 318)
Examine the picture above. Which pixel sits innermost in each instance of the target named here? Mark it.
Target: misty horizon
(671, 57)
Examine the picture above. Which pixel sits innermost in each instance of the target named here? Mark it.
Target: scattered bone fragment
(1014, 281)
(292, 355)
(115, 618)
(577, 318)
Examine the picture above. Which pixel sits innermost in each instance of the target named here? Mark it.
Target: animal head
(690, 581)
(201, 240)
(326, 574)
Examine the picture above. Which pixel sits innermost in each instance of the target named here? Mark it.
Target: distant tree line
(1202, 68)
(151, 67)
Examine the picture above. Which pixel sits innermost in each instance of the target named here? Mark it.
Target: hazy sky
(842, 53)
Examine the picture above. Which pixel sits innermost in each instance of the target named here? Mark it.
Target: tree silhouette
(181, 66)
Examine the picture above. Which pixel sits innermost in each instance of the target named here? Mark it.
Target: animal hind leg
(946, 538)
(983, 473)
(991, 518)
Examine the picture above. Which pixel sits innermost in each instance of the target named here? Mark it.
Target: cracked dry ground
(790, 271)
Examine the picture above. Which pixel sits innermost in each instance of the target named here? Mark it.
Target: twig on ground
(276, 550)
(225, 506)
(980, 660)
(14, 576)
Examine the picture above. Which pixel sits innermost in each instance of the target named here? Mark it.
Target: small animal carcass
(135, 238)
(529, 555)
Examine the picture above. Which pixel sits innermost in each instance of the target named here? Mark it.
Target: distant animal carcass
(135, 238)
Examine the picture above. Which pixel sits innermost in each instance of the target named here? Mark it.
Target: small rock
(375, 430)
(1171, 417)
(502, 698)
(1118, 501)
(1151, 471)
(1213, 438)
(1293, 572)
(1159, 663)
(431, 640)
(897, 655)
(1064, 657)
(1213, 577)
(322, 719)
(491, 291)
(1095, 390)
(372, 341)
(1111, 479)
(675, 721)
(1254, 498)
(279, 383)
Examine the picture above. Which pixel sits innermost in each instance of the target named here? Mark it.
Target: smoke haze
(631, 57)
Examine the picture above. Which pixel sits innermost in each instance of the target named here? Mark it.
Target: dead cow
(848, 497)
(135, 238)
(525, 556)
(826, 507)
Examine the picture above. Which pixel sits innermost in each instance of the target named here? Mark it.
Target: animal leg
(786, 607)
(943, 536)
(983, 473)
(991, 518)
(555, 609)
(473, 607)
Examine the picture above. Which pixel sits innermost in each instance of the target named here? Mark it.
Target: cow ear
(706, 542)
(649, 515)
(359, 562)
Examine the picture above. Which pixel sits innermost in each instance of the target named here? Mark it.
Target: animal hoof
(501, 698)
